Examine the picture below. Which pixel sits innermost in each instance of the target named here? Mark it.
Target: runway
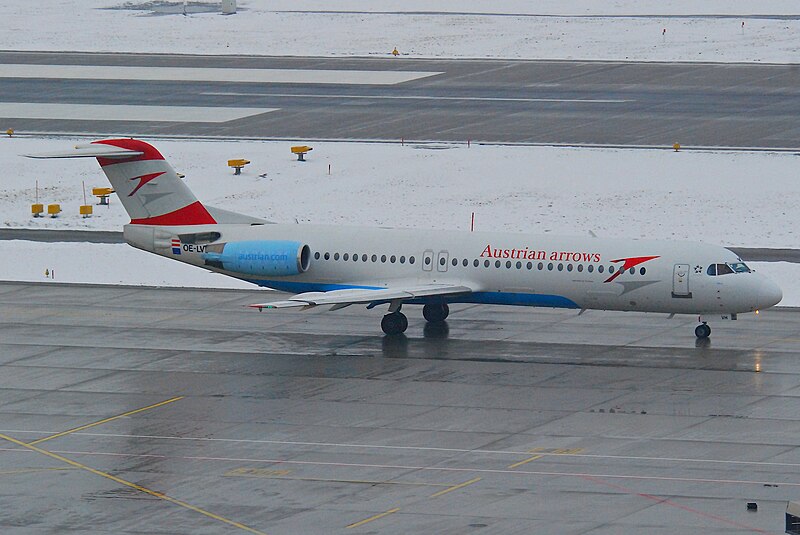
(131, 409)
(497, 101)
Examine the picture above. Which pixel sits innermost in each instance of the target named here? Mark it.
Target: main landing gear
(396, 322)
(435, 313)
(702, 331)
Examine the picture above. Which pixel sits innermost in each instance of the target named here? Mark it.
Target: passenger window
(476, 262)
(643, 271)
(540, 266)
(465, 262)
(327, 256)
(316, 255)
(580, 268)
(374, 258)
(590, 268)
(497, 264)
(600, 269)
(427, 260)
(363, 258)
(336, 256)
(411, 260)
(632, 271)
(508, 264)
(345, 257)
(550, 266)
(485, 263)
(611, 269)
(355, 257)
(393, 259)
(569, 267)
(529, 266)
(442, 261)
(561, 267)
(402, 259)
(455, 262)
(383, 258)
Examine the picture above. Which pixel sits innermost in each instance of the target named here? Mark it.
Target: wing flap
(350, 296)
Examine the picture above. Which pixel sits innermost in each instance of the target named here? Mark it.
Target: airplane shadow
(396, 345)
(702, 343)
(436, 331)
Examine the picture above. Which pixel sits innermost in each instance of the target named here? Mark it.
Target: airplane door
(427, 260)
(441, 261)
(680, 281)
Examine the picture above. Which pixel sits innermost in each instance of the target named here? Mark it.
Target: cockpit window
(739, 267)
(725, 269)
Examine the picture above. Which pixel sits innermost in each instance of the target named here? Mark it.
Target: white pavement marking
(202, 74)
(422, 97)
(446, 469)
(681, 460)
(111, 112)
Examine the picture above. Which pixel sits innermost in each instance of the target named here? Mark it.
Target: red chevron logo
(144, 180)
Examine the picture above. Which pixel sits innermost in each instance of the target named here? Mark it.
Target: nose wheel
(702, 330)
(394, 323)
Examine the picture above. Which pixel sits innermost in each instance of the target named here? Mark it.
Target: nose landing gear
(702, 330)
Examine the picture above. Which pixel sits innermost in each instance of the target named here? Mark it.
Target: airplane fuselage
(501, 268)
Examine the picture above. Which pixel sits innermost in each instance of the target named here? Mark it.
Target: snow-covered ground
(747, 199)
(730, 198)
(648, 30)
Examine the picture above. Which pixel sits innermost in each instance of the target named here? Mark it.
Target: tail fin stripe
(193, 214)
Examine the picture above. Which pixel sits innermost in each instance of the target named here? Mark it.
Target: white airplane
(340, 266)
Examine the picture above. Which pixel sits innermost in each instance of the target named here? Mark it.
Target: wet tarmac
(146, 410)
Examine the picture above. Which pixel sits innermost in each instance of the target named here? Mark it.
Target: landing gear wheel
(702, 331)
(435, 313)
(394, 323)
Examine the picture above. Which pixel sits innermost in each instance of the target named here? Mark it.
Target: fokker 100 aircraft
(339, 266)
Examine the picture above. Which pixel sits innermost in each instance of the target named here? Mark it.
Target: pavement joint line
(33, 470)
(336, 480)
(372, 518)
(159, 495)
(106, 420)
(455, 487)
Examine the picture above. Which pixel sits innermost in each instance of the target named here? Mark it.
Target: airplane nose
(769, 294)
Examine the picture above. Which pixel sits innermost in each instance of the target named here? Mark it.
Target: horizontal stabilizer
(90, 151)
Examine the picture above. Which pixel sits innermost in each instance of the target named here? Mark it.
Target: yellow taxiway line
(106, 420)
(140, 488)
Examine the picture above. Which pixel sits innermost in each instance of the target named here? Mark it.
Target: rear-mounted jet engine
(263, 257)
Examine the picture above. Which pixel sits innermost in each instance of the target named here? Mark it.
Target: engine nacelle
(274, 258)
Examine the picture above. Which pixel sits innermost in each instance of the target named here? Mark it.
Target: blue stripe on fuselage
(486, 298)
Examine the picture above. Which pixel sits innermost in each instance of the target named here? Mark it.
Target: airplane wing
(343, 298)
